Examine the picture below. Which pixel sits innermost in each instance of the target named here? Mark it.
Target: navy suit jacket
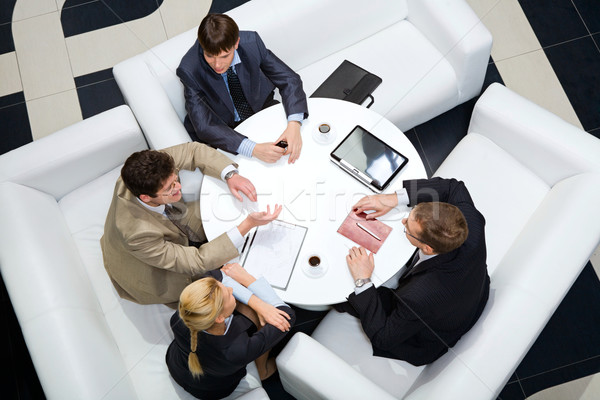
(440, 299)
(210, 113)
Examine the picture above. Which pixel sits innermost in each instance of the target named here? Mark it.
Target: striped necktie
(175, 215)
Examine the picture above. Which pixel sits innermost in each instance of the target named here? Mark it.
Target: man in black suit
(445, 285)
(212, 71)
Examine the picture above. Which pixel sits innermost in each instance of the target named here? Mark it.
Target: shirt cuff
(236, 237)
(359, 290)
(226, 170)
(246, 148)
(296, 117)
(265, 292)
(239, 291)
(403, 199)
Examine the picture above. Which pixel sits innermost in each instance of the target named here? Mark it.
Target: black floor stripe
(79, 16)
(14, 121)
(577, 66)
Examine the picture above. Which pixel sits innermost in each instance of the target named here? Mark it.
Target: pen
(368, 231)
(245, 243)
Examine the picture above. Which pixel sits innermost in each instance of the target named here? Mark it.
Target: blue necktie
(237, 95)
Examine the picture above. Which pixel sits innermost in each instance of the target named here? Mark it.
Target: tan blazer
(147, 257)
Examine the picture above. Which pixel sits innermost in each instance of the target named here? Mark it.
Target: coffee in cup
(314, 261)
(324, 128)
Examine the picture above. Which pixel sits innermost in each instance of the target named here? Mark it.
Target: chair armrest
(458, 33)
(150, 103)
(255, 394)
(67, 335)
(308, 370)
(66, 159)
(551, 147)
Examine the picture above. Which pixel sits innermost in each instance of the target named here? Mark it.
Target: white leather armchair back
(98, 145)
(303, 32)
(431, 54)
(69, 339)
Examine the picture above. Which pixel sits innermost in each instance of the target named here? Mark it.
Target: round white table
(317, 194)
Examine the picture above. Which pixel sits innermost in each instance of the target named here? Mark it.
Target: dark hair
(146, 171)
(217, 33)
(443, 226)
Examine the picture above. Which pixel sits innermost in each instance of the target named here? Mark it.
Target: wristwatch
(362, 282)
(230, 174)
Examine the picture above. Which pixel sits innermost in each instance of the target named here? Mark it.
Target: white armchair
(431, 54)
(86, 343)
(536, 179)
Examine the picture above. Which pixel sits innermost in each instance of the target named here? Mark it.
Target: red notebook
(369, 234)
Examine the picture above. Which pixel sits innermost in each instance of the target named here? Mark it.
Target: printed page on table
(273, 251)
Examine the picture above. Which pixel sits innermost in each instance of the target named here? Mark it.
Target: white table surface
(317, 194)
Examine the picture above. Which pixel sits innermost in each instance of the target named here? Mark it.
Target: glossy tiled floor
(55, 69)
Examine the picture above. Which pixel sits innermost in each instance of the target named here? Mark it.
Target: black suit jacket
(210, 117)
(438, 300)
(223, 358)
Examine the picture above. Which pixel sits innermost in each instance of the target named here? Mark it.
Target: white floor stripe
(10, 78)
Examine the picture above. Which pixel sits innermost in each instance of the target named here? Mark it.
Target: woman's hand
(268, 314)
(238, 273)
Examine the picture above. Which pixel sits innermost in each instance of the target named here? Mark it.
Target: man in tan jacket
(149, 256)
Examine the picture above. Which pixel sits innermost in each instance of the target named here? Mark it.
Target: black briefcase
(349, 82)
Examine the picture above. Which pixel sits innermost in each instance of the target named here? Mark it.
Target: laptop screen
(368, 158)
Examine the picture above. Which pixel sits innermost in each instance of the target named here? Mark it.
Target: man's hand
(264, 217)
(292, 136)
(238, 273)
(267, 314)
(380, 203)
(360, 263)
(238, 183)
(258, 219)
(268, 152)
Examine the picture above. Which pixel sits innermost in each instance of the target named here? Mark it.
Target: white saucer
(324, 138)
(313, 272)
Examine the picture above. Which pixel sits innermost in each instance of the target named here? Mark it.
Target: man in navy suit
(444, 286)
(210, 70)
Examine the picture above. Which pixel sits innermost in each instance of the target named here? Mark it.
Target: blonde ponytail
(193, 362)
(200, 303)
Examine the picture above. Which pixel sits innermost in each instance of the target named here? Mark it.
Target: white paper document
(273, 251)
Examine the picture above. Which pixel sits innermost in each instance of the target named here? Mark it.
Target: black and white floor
(56, 59)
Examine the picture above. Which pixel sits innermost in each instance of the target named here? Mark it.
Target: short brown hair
(146, 171)
(217, 33)
(443, 226)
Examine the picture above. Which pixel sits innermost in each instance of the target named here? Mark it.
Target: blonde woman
(217, 336)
